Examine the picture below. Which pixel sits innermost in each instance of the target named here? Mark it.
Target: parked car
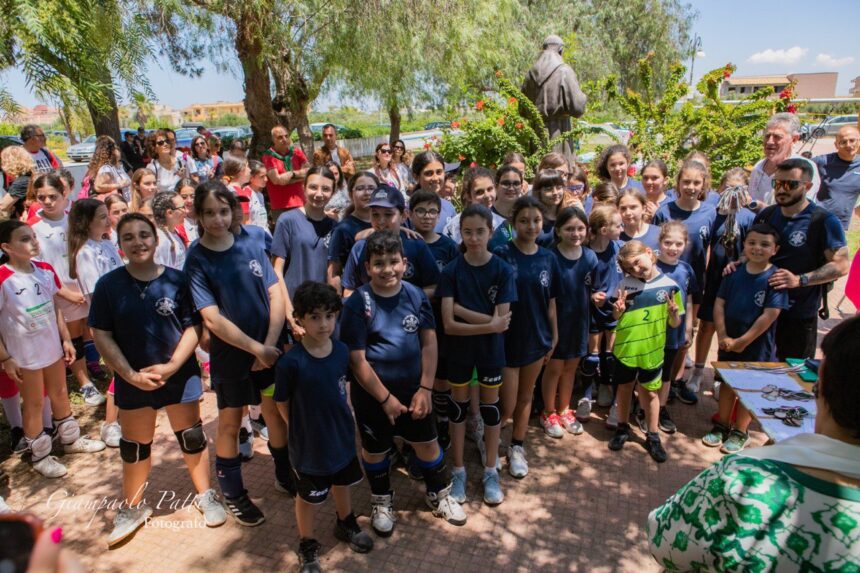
(184, 137)
(317, 127)
(9, 140)
(622, 133)
(230, 134)
(82, 151)
(834, 124)
(438, 125)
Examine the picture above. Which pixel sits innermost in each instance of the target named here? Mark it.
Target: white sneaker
(382, 514)
(604, 396)
(127, 521)
(458, 485)
(211, 507)
(110, 434)
(717, 385)
(4, 507)
(583, 410)
(552, 425)
(84, 446)
(694, 384)
(493, 494)
(570, 423)
(92, 396)
(446, 507)
(518, 467)
(612, 419)
(50, 467)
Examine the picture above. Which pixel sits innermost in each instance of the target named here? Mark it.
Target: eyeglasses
(511, 184)
(399, 148)
(200, 143)
(788, 184)
(427, 212)
(385, 151)
(578, 187)
(161, 142)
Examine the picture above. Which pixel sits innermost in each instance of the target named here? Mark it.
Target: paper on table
(744, 379)
(755, 402)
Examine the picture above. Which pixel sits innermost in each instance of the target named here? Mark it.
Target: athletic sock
(229, 472)
(90, 351)
(12, 409)
(47, 419)
(254, 412)
(283, 467)
(246, 423)
(435, 473)
(378, 476)
(516, 442)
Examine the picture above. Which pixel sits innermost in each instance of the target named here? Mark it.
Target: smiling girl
(613, 166)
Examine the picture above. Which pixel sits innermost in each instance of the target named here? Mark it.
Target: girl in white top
(117, 207)
(50, 225)
(31, 352)
(256, 185)
(169, 212)
(91, 255)
(143, 188)
(166, 164)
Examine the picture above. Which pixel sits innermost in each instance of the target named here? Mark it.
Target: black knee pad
(192, 440)
(491, 414)
(457, 411)
(441, 400)
(589, 365)
(80, 351)
(132, 452)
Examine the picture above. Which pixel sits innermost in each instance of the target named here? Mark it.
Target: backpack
(816, 237)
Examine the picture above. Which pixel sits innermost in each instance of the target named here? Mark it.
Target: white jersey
(55, 251)
(257, 210)
(96, 258)
(170, 251)
(191, 232)
(28, 320)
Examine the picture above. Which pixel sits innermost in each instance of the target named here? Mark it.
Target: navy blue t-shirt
(503, 235)
(682, 274)
(699, 224)
(259, 235)
(651, 238)
(421, 269)
(746, 296)
(343, 238)
(797, 255)
(147, 330)
(237, 281)
(388, 330)
(719, 257)
(547, 235)
(633, 184)
(478, 289)
(606, 277)
(322, 431)
(538, 279)
(841, 180)
(574, 308)
(444, 250)
(303, 244)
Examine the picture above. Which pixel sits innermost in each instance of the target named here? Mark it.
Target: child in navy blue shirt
(310, 392)
(236, 291)
(356, 219)
(424, 209)
(476, 291)
(745, 315)
(534, 330)
(389, 329)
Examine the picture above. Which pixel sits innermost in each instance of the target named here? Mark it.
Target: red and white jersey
(53, 244)
(95, 259)
(28, 321)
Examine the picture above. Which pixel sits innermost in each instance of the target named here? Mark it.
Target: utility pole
(695, 46)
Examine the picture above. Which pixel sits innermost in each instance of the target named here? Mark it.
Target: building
(855, 89)
(203, 112)
(807, 86)
(39, 114)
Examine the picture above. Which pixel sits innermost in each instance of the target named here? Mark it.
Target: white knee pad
(40, 446)
(68, 430)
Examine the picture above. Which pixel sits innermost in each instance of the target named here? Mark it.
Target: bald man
(840, 176)
(286, 167)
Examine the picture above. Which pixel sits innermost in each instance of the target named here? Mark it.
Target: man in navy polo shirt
(840, 175)
(812, 252)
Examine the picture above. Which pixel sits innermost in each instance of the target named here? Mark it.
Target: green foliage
(10, 129)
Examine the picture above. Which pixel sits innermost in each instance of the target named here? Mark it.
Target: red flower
(791, 108)
(480, 105)
(501, 121)
(455, 124)
(498, 73)
(461, 157)
(427, 145)
(518, 125)
(512, 100)
(727, 73)
(473, 164)
(631, 171)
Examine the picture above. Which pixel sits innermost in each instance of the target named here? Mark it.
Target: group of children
(414, 327)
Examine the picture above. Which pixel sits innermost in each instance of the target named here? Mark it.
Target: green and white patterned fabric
(745, 514)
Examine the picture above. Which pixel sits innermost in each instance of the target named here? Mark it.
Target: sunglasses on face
(200, 144)
(788, 184)
(161, 142)
(399, 147)
(579, 187)
(384, 151)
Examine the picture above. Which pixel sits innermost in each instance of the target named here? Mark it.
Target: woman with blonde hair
(105, 174)
(18, 166)
(143, 188)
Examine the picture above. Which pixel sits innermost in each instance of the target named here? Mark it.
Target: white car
(82, 151)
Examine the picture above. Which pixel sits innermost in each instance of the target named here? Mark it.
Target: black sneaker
(622, 434)
(640, 420)
(655, 448)
(309, 556)
(349, 532)
(244, 511)
(665, 422)
(16, 440)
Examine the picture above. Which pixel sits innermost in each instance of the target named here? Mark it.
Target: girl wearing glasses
(166, 163)
(168, 209)
(207, 166)
(356, 218)
(385, 168)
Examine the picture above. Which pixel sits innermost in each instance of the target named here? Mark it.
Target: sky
(758, 36)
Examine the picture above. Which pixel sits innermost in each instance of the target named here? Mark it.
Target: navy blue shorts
(377, 433)
(314, 488)
(461, 375)
(239, 393)
(183, 387)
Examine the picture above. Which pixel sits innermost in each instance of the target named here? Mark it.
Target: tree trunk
(258, 98)
(106, 122)
(394, 119)
(65, 115)
(303, 127)
(292, 100)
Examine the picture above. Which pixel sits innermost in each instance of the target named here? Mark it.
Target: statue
(552, 86)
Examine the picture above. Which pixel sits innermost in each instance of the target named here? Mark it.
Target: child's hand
(147, 381)
(13, 370)
(738, 345)
(620, 304)
(410, 234)
(165, 371)
(500, 322)
(725, 343)
(731, 267)
(421, 404)
(598, 298)
(674, 316)
(296, 329)
(393, 408)
(68, 352)
(266, 358)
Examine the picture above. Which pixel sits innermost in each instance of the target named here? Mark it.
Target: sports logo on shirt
(341, 385)
(368, 307)
(165, 306)
(409, 272)
(797, 239)
(544, 278)
(440, 264)
(410, 323)
(256, 268)
(492, 292)
(759, 298)
(327, 239)
(704, 232)
(662, 295)
(587, 279)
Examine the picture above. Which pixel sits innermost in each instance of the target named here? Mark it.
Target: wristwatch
(804, 280)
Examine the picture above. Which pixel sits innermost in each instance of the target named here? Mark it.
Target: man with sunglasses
(331, 151)
(34, 139)
(812, 252)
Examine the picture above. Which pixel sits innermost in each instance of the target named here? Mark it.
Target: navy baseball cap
(387, 197)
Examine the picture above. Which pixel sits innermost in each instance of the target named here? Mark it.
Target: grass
(853, 241)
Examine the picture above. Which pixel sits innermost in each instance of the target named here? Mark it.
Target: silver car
(834, 124)
(82, 151)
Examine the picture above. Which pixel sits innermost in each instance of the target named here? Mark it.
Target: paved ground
(582, 507)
